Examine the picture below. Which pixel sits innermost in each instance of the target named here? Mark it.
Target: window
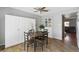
(66, 24)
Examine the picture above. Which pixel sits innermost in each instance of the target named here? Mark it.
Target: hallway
(70, 39)
(67, 40)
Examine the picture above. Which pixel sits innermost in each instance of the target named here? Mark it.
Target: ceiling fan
(40, 9)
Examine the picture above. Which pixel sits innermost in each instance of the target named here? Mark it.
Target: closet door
(20, 30)
(28, 24)
(11, 30)
(33, 24)
(15, 27)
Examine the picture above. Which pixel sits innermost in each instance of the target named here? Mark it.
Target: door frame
(63, 28)
(63, 17)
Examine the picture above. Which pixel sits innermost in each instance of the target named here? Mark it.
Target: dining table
(36, 36)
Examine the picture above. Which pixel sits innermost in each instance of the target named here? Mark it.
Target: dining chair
(43, 39)
(39, 42)
(36, 41)
(28, 39)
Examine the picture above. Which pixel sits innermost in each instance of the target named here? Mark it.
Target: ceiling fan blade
(45, 10)
(36, 8)
(43, 7)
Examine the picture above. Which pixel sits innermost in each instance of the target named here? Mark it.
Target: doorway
(69, 36)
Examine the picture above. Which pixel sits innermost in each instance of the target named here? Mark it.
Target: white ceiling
(50, 10)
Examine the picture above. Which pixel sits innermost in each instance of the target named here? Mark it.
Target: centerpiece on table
(41, 27)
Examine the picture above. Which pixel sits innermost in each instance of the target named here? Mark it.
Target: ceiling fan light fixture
(40, 9)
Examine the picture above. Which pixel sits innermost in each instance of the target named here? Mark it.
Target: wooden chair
(28, 40)
(39, 42)
(43, 39)
(35, 41)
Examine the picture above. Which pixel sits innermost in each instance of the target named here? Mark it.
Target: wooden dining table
(36, 36)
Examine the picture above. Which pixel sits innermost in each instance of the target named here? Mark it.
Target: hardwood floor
(53, 46)
(74, 39)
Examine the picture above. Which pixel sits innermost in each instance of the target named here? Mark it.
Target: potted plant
(41, 27)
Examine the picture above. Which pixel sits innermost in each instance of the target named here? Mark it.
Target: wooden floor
(53, 46)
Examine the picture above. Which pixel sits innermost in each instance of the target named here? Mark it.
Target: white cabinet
(14, 29)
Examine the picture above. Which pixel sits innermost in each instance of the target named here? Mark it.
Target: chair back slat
(28, 35)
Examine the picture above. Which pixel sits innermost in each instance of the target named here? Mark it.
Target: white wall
(56, 30)
(42, 21)
(78, 34)
(57, 22)
(77, 29)
(2, 29)
(57, 26)
(72, 22)
(15, 27)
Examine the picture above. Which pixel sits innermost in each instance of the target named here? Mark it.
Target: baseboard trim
(53, 38)
(2, 47)
(50, 38)
(14, 45)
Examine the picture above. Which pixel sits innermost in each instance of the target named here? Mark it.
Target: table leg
(34, 45)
